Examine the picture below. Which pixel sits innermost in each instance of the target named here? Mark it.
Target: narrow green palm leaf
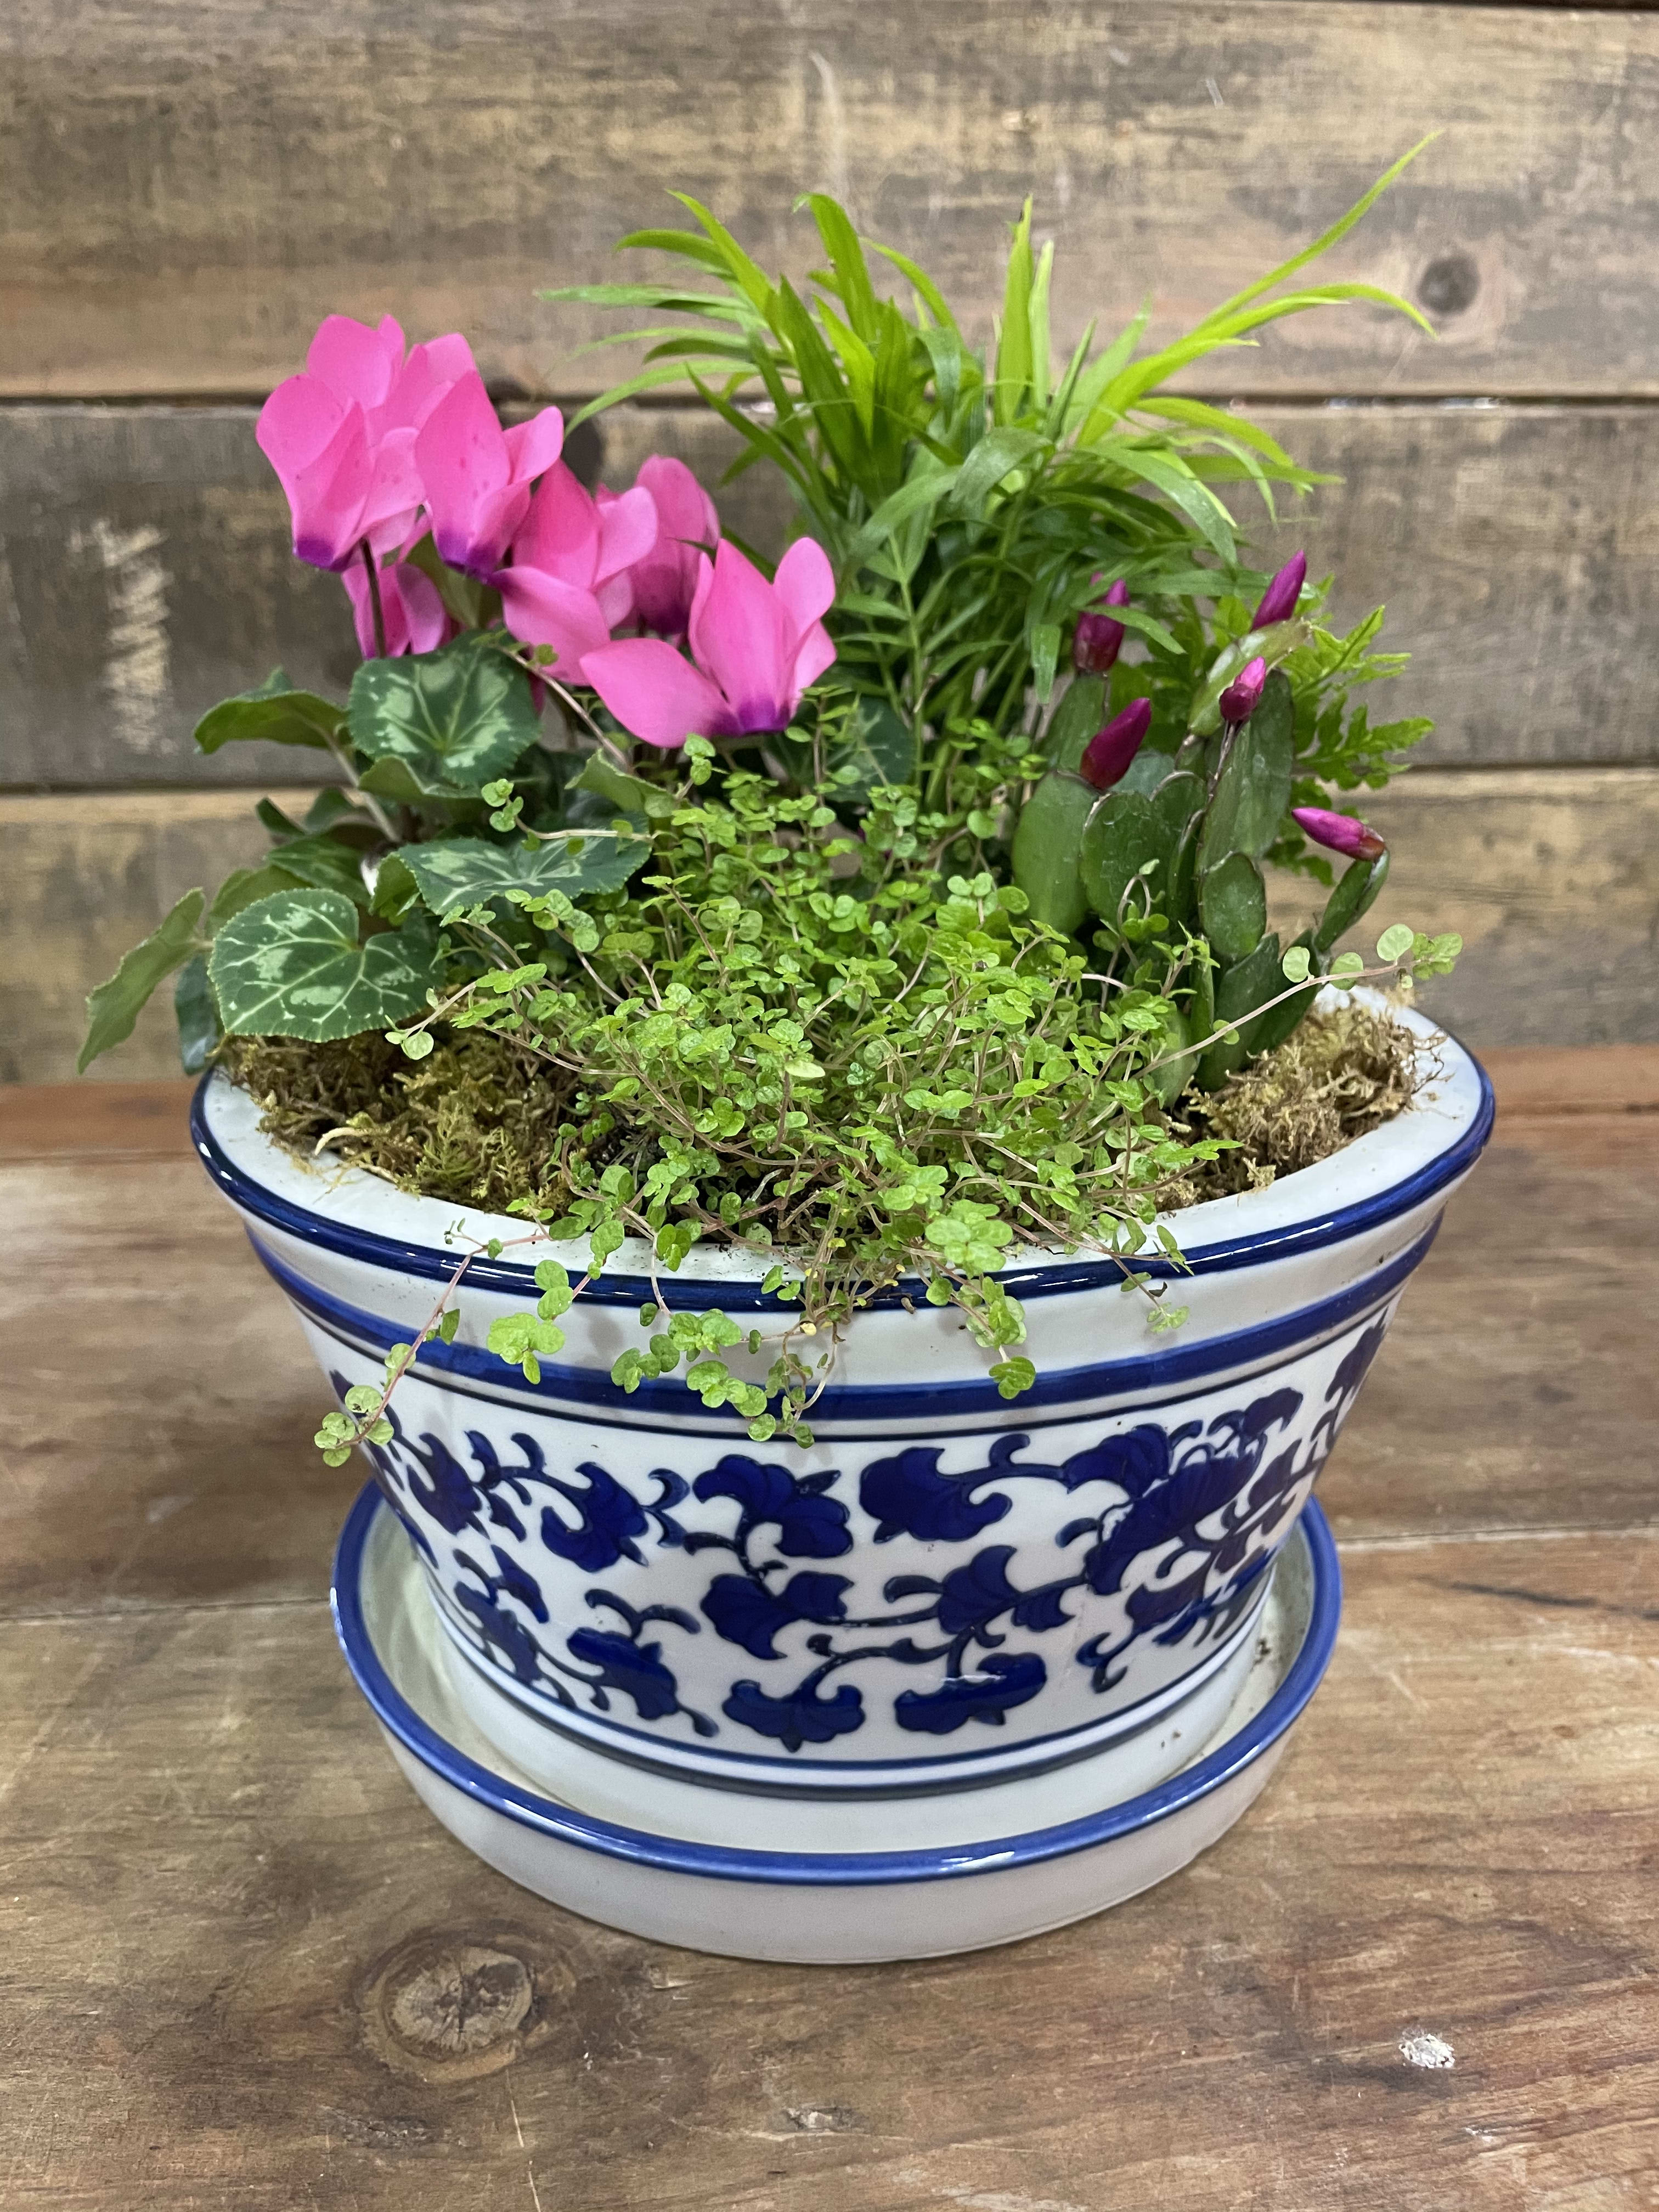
(1322, 244)
(923, 285)
(840, 243)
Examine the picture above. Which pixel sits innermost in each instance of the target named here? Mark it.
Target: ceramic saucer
(808, 1881)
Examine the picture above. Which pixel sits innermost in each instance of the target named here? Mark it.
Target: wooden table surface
(243, 1968)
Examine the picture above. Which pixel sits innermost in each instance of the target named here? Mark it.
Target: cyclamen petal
(560, 534)
(804, 583)
(356, 361)
(476, 477)
(629, 530)
(665, 579)
(411, 608)
(656, 693)
(320, 449)
(533, 446)
(543, 609)
(741, 636)
(815, 652)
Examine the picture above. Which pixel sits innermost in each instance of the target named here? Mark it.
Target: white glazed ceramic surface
(811, 1883)
(945, 1589)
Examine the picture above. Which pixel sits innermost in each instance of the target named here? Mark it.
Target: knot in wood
(448, 2007)
(460, 2000)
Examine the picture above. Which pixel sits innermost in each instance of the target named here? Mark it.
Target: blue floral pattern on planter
(1176, 1528)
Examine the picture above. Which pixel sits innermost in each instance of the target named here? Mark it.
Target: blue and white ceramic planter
(946, 1591)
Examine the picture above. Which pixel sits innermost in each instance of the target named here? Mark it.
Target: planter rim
(678, 1855)
(1369, 1181)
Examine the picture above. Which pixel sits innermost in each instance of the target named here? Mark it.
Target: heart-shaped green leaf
(456, 719)
(276, 712)
(292, 965)
(463, 872)
(323, 862)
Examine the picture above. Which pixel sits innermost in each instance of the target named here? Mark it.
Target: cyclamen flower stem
(375, 608)
(372, 806)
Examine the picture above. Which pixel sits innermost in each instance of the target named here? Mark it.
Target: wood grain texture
(188, 188)
(145, 573)
(1548, 875)
(84, 879)
(223, 1909)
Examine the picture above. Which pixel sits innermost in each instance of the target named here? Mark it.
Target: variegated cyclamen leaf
(276, 714)
(292, 965)
(463, 872)
(456, 718)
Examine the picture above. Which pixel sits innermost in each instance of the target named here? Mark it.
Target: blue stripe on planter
(860, 1870)
(1056, 1281)
(885, 1402)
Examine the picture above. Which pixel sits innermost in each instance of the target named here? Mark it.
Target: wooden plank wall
(187, 188)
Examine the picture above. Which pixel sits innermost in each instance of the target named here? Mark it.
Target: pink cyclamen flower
(1107, 756)
(569, 584)
(1098, 640)
(476, 477)
(341, 436)
(1339, 833)
(1243, 695)
(411, 609)
(1279, 600)
(665, 582)
(755, 647)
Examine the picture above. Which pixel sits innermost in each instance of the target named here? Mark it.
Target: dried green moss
(475, 1122)
(1343, 1073)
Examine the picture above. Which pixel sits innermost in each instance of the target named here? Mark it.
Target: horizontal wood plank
(217, 1888)
(85, 878)
(188, 188)
(145, 573)
(1548, 874)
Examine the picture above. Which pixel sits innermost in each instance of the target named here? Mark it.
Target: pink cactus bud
(1279, 600)
(1243, 695)
(1098, 640)
(1107, 756)
(1339, 833)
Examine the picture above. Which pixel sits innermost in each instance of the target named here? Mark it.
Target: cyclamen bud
(1098, 640)
(1279, 600)
(1107, 756)
(1339, 833)
(1243, 695)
